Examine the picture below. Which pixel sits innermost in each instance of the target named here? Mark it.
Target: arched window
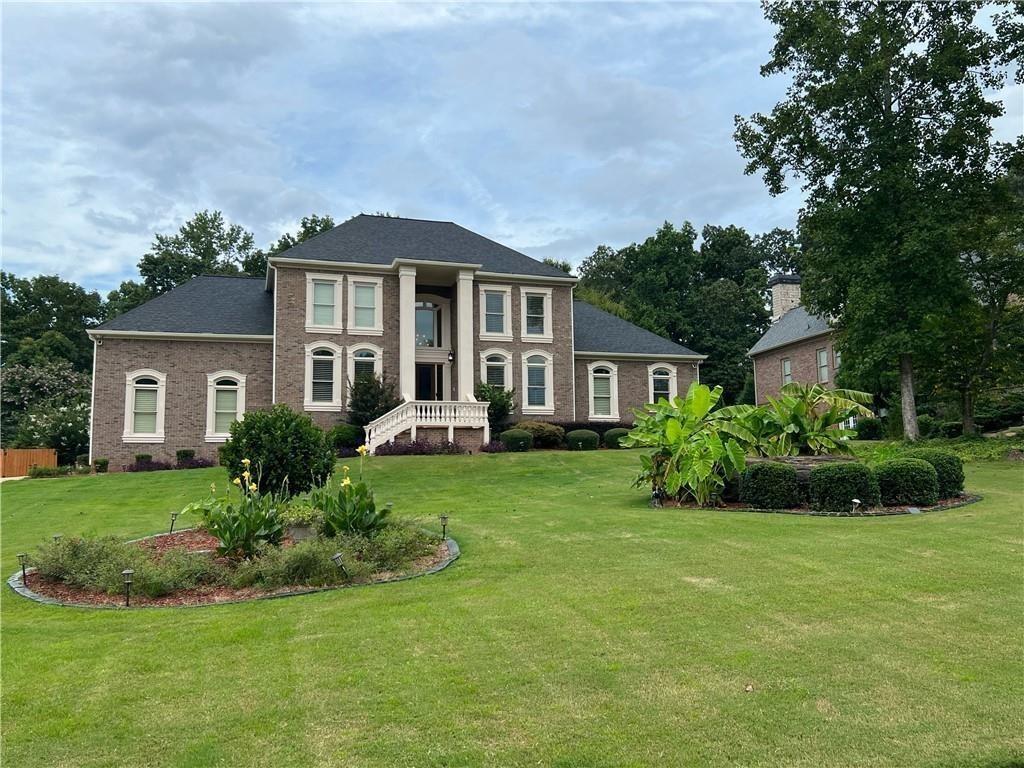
(225, 403)
(537, 383)
(364, 360)
(661, 382)
(323, 380)
(604, 391)
(495, 367)
(144, 397)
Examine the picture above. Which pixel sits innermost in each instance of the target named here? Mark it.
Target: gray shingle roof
(368, 239)
(595, 330)
(793, 326)
(206, 304)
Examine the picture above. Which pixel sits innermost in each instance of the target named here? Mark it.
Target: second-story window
(787, 371)
(365, 314)
(822, 366)
(428, 324)
(323, 302)
(494, 312)
(365, 305)
(536, 312)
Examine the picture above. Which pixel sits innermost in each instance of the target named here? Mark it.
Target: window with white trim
(837, 356)
(323, 377)
(365, 314)
(787, 371)
(537, 383)
(364, 360)
(536, 313)
(661, 382)
(323, 302)
(604, 390)
(144, 399)
(225, 403)
(495, 368)
(822, 356)
(495, 312)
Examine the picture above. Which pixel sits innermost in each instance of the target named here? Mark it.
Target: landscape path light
(336, 558)
(22, 560)
(856, 503)
(444, 526)
(174, 516)
(127, 573)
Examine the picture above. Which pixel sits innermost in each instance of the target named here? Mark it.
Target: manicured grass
(580, 628)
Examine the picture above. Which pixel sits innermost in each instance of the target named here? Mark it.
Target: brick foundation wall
(634, 388)
(186, 365)
(803, 366)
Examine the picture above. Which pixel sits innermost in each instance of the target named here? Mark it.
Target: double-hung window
(787, 371)
(323, 380)
(225, 403)
(144, 397)
(494, 368)
(364, 299)
(603, 391)
(495, 311)
(661, 382)
(537, 383)
(536, 312)
(364, 361)
(323, 302)
(822, 359)
(837, 357)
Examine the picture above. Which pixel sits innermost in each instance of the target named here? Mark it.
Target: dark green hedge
(613, 436)
(833, 487)
(869, 429)
(949, 469)
(907, 481)
(770, 485)
(582, 440)
(516, 440)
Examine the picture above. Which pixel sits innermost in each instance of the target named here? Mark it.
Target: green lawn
(580, 628)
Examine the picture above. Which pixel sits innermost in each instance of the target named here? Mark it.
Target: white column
(407, 332)
(465, 309)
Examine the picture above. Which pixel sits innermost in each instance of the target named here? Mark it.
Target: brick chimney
(785, 294)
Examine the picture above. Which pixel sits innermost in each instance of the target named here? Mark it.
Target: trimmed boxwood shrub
(869, 429)
(544, 435)
(287, 450)
(770, 485)
(949, 469)
(601, 427)
(582, 440)
(516, 440)
(345, 437)
(950, 429)
(833, 487)
(183, 455)
(143, 458)
(907, 481)
(612, 437)
(102, 465)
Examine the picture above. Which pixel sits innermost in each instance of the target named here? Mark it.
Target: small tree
(371, 398)
(500, 402)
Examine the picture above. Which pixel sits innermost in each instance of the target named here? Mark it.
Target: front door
(429, 379)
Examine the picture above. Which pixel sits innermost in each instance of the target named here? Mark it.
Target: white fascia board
(255, 338)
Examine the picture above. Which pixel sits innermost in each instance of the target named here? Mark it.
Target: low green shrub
(184, 455)
(926, 425)
(345, 436)
(949, 429)
(770, 485)
(36, 471)
(82, 460)
(500, 403)
(833, 487)
(949, 469)
(612, 436)
(582, 440)
(907, 481)
(544, 435)
(101, 465)
(869, 429)
(516, 440)
(299, 512)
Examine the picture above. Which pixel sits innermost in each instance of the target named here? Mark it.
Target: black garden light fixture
(23, 560)
(338, 561)
(444, 526)
(174, 516)
(57, 537)
(127, 573)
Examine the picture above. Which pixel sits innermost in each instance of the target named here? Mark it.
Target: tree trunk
(908, 405)
(967, 410)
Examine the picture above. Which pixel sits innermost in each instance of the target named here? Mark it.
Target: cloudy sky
(551, 128)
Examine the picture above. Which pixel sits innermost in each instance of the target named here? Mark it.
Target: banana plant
(695, 449)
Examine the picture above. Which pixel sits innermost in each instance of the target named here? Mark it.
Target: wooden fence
(16, 461)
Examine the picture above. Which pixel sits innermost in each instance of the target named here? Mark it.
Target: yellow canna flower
(345, 469)
(237, 481)
(252, 487)
(246, 474)
(362, 450)
(213, 488)
(346, 482)
(246, 462)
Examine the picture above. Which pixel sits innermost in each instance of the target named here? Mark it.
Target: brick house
(429, 304)
(796, 347)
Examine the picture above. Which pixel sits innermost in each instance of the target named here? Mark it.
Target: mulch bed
(195, 540)
(950, 503)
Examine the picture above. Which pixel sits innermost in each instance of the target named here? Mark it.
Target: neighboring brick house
(797, 347)
(431, 305)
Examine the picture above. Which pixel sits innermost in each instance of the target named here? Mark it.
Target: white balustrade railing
(452, 414)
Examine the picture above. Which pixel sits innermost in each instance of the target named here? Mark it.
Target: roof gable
(795, 325)
(366, 239)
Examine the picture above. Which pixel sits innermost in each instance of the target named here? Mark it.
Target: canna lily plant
(695, 449)
(806, 419)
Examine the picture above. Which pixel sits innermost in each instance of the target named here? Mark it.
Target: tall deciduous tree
(887, 124)
(128, 295)
(46, 312)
